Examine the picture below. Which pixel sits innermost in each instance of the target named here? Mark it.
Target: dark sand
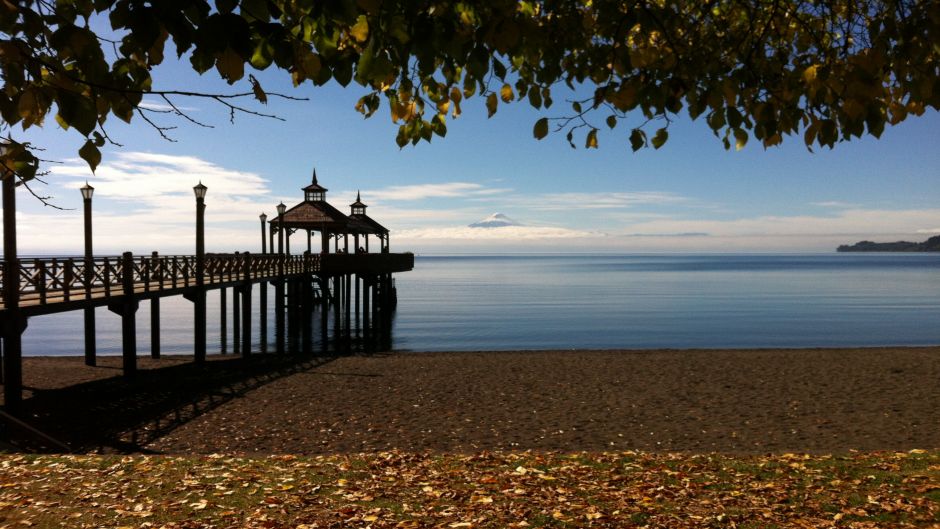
(735, 401)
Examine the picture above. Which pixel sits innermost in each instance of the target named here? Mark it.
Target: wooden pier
(343, 282)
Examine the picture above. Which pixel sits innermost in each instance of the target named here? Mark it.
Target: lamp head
(87, 191)
(200, 190)
(263, 218)
(281, 208)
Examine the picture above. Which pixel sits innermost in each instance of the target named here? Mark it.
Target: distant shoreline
(930, 245)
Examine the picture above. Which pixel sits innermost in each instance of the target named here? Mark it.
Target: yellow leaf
(506, 93)
(590, 143)
(360, 30)
(740, 139)
(809, 74)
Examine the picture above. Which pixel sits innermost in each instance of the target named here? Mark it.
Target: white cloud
(928, 230)
(504, 233)
(163, 107)
(445, 190)
(834, 204)
(145, 202)
(582, 201)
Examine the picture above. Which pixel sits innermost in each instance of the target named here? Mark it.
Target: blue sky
(689, 196)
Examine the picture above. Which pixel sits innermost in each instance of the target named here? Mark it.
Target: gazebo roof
(316, 216)
(374, 227)
(319, 215)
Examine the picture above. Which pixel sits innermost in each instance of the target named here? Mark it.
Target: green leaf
(637, 139)
(263, 54)
(541, 128)
(76, 111)
(90, 153)
(499, 69)
(535, 98)
(491, 104)
(225, 6)
(230, 65)
(659, 139)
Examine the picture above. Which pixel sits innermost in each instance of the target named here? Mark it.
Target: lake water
(610, 301)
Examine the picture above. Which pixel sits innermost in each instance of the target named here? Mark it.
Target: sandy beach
(732, 401)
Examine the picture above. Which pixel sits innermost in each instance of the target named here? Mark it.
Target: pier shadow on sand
(122, 415)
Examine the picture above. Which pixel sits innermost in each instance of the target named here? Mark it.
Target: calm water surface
(599, 302)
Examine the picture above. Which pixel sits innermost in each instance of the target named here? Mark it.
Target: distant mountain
(496, 220)
(930, 245)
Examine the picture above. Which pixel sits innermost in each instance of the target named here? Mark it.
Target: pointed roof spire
(358, 204)
(314, 186)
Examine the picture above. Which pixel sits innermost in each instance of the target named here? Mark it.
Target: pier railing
(48, 280)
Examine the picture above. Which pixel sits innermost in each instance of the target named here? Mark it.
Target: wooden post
(325, 241)
(348, 305)
(305, 313)
(263, 315)
(12, 324)
(127, 309)
(155, 327)
(155, 308)
(309, 240)
(271, 236)
(236, 315)
(366, 319)
(337, 301)
(223, 319)
(324, 313)
(246, 307)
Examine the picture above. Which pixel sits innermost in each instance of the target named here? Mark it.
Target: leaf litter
(404, 490)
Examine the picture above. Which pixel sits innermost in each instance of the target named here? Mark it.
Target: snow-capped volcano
(496, 220)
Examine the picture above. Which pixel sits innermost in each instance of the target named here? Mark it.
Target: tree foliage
(750, 69)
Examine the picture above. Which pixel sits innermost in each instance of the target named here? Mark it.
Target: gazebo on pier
(315, 214)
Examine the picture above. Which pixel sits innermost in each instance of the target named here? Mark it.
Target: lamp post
(279, 284)
(199, 301)
(281, 208)
(87, 191)
(263, 293)
(264, 241)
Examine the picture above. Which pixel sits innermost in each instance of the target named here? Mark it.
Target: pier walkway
(56, 284)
